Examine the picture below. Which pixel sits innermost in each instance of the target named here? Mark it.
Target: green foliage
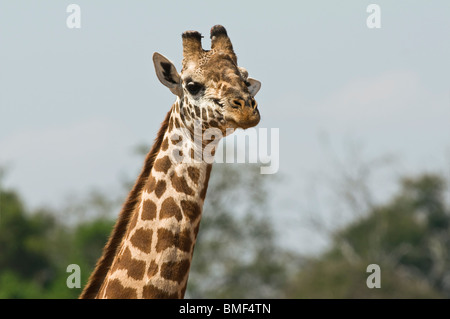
(236, 255)
(22, 241)
(12, 285)
(409, 238)
(332, 277)
(235, 250)
(90, 238)
(35, 250)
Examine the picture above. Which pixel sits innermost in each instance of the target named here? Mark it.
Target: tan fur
(104, 263)
(151, 246)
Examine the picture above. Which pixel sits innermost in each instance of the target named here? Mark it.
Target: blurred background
(364, 151)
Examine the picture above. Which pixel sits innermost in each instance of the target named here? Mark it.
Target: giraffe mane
(104, 263)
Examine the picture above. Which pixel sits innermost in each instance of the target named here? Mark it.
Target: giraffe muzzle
(244, 115)
(241, 103)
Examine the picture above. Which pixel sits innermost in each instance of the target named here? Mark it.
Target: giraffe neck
(154, 256)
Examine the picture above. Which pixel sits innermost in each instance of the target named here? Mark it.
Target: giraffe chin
(244, 121)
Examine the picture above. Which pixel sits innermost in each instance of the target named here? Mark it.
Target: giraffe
(149, 252)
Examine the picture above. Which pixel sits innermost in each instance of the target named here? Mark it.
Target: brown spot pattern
(151, 184)
(152, 292)
(165, 144)
(167, 239)
(152, 269)
(163, 164)
(204, 116)
(175, 270)
(115, 290)
(194, 174)
(180, 185)
(142, 239)
(205, 186)
(148, 210)
(197, 110)
(169, 208)
(160, 188)
(191, 209)
(210, 113)
(135, 268)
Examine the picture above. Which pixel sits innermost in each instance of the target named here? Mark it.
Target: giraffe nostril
(238, 103)
(253, 103)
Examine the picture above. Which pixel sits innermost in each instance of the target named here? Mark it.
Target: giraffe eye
(194, 87)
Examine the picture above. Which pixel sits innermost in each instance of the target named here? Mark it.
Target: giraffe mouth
(244, 120)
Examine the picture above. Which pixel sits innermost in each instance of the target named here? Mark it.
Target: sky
(74, 103)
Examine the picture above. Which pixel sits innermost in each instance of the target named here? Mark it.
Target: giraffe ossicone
(149, 252)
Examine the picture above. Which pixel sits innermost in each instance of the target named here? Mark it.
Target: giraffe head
(212, 88)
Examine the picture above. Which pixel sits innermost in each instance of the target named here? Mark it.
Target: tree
(408, 237)
(236, 255)
(23, 239)
(36, 247)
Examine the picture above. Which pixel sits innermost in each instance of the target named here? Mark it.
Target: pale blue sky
(74, 103)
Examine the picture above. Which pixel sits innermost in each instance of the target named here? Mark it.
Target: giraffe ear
(254, 86)
(167, 73)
